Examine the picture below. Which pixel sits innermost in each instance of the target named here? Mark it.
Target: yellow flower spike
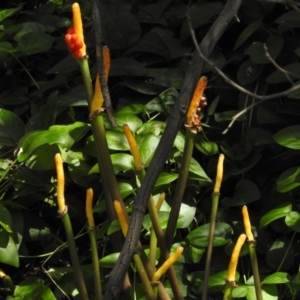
(121, 217)
(196, 100)
(134, 149)
(106, 61)
(78, 29)
(234, 259)
(219, 176)
(89, 207)
(160, 201)
(167, 264)
(247, 224)
(98, 100)
(60, 183)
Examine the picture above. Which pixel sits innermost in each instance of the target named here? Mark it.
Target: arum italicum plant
(251, 244)
(63, 212)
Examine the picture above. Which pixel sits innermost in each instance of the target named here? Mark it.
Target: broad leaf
(8, 250)
(248, 72)
(288, 180)
(277, 278)
(32, 43)
(6, 13)
(147, 146)
(292, 220)
(289, 137)
(279, 77)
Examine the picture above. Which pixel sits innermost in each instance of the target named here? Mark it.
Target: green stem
(74, 258)
(255, 271)
(144, 277)
(95, 260)
(7, 170)
(180, 187)
(227, 292)
(214, 210)
(153, 246)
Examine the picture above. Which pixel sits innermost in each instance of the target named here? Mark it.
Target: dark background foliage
(43, 111)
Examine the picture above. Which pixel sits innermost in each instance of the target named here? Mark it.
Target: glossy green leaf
(292, 220)
(164, 102)
(277, 278)
(114, 226)
(274, 214)
(109, 261)
(8, 250)
(196, 169)
(289, 19)
(117, 140)
(33, 288)
(63, 135)
(11, 128)
(19, 30)
(6, 13)
(288, 180)
(206, 147)
(252, 28)
(122, 162)
(6, 47)
(248, 72)
(33, 42)
(5, 218)
(258, 54)
(179, 141)
(154, 127)
(199, 236)
(147, 146)
(165, 178)
(132, 121)
(79, 173)
(279, 77)
(131, 109)
(289, 137)
(125, 66)
(195, 254)
(126, 189)
(245, 192)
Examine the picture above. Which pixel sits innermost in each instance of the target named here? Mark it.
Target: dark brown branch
(114, 286)
(100, 68)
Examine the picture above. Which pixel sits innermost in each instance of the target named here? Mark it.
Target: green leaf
(274, 214)
(227, 116)
(62, 135)
(126, 189)
(206, 147)
(165, 178)
(117, 141)
(11, 128)
(290, 19)
(19, 30)
(164, 102)
(109, 261)
(32, 43)
(122, 27)
(131, 109)
(147, 146)
(171, 78)
(257, 53)
(152, 126)
(122, 162)
(200, 14)
(289, 137)
(114, 226)
(132, 121)
(5, 218)
(6, 13)
(196, 169)
(248, 72)
(196, 254)
(8, 250)
(253, 27)
(295, 94)
(279, 77)
(67, 65)
(288, 180)
(292, 220)
(199, 236)
(125, 66)
(7, 47)
(245, 192)
(33, 288)
(277, 278)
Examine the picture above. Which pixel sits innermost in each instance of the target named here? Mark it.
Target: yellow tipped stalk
(89, 207)
(247, 224)
(78, 28)
(219, 176)
(160, 201)
(60, 183)
(121, 217)
(98, 100)
(167, 264)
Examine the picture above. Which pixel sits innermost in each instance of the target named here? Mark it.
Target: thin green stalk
(144, 277)
(227, 292)
(96, 268)
(8, 170)
(152, 248)
(180, 187)
(214, 210)
(74, 258)
(255, 271)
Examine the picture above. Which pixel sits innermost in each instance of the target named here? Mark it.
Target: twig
(237, 86)
(174, 122)
(100, 69)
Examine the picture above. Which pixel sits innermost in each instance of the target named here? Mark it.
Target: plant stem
(255, 270)
(74, 258)
(180, 187)
(227, 292)
(95, 260)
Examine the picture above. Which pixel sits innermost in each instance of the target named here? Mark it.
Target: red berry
(68, 38)
(74, 37)
(78, 43)
(77, 54)
(70, 30)
(71, 47)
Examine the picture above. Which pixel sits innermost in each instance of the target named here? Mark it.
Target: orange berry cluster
(74, 43)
